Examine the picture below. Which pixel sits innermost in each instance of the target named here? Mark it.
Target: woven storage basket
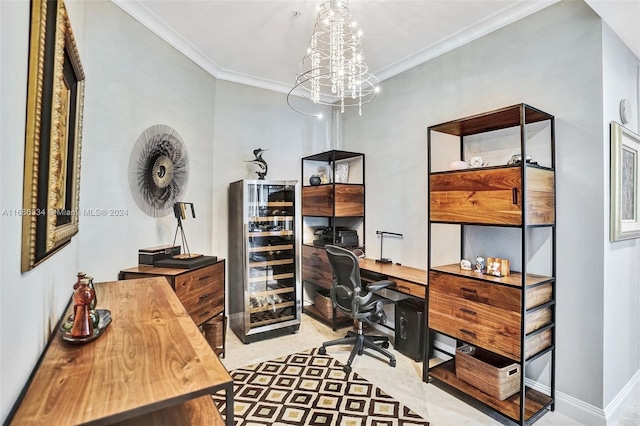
(322, 301)
(493, 374)
(213, 331)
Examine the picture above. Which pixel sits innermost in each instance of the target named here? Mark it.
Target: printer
(344, 237)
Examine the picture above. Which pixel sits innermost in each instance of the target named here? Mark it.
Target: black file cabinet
(409, 328)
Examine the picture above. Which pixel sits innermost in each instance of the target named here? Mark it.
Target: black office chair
(350, 296)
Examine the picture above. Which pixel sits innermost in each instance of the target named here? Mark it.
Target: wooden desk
(407, 280)
(151, 366)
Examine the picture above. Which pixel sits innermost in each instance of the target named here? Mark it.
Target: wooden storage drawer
(538, 319)
(537, 342)
(409, 288)
(492, 196)
(488, 315)
(202, 291)
(539, 295)
(500, 296)
(502, 340)
(476, 323)
(339, 200)
(315, 266)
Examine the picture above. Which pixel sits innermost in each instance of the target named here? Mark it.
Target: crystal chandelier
(333, 70)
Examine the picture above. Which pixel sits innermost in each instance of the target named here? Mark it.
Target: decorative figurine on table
(260, 162)
(465, 265)
(477, 162)
(479, 264)
(82, 321)
(315, 180)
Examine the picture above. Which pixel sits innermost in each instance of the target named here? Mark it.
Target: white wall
(136, 80)
(248, 118)
(550, 60)
(133, 80)
(622, 259)
(30, 303)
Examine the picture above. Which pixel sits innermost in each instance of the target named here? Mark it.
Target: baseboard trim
(619, 404)
(587, 413)
(572, 407)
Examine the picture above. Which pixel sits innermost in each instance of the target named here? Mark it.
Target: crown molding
(250, 80)
(137, 10)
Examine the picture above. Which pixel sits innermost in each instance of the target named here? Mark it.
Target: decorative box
(150, 255)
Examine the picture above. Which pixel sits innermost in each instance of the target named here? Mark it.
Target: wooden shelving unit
(334, 205)
(511, 315)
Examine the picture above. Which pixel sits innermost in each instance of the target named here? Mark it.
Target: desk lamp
(179, 211)
(382, 234)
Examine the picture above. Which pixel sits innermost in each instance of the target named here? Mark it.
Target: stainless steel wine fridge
(264, 287)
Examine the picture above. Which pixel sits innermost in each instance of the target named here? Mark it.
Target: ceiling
(261, 43)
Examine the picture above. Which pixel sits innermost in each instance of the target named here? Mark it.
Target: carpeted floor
(311, 389)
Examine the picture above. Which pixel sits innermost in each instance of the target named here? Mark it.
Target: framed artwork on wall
(625, 190)
(53, 140)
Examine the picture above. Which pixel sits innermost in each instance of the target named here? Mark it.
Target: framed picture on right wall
(625, 190)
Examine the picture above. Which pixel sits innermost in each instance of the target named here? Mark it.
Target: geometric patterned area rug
(311, 389)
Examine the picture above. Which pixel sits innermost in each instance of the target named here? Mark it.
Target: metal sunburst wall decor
(158, 170)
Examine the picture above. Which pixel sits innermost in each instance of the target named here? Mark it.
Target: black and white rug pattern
(311, 389)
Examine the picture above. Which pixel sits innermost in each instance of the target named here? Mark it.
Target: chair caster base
(392, 363)
(347, 369)
(322, 350)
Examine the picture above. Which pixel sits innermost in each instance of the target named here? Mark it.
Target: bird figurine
(260, 162)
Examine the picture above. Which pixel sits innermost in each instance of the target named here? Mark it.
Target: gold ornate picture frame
(625, 183)
(53, 142)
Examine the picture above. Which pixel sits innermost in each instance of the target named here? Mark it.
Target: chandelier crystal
(333, 70)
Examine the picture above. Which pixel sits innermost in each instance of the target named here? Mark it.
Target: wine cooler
(264, 287)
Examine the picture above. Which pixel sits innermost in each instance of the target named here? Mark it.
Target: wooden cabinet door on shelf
(492, 196)
(339, 200)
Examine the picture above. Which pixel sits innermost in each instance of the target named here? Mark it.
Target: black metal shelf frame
(514, 116)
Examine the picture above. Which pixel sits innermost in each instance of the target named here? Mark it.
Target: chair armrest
(379, 285)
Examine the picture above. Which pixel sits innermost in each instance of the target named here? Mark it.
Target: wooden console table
(201, 290)
(152, 366)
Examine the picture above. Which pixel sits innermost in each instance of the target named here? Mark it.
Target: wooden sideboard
(151, 366)
(201, 290)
